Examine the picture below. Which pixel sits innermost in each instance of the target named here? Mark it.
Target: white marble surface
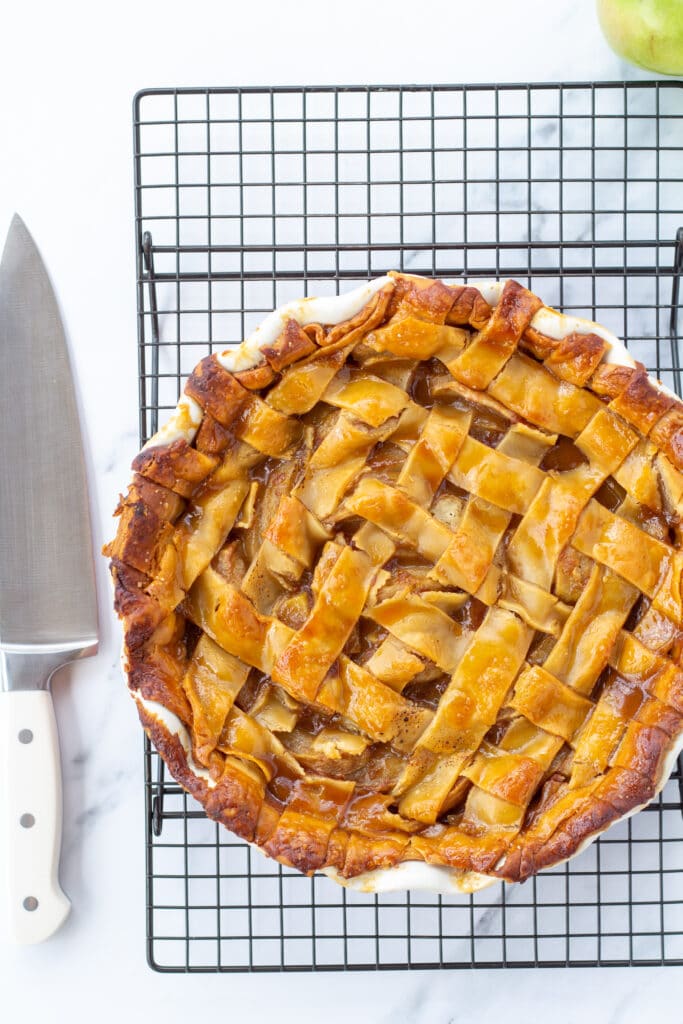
(68, 72)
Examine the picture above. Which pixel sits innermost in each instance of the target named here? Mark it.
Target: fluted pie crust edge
(506, 327)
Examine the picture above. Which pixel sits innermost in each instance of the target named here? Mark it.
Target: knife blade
(48, 607)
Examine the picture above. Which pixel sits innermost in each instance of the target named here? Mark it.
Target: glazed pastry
(400, 584)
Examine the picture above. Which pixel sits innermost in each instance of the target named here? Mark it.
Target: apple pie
(401, 584)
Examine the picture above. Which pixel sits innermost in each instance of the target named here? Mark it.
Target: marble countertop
(67, 78)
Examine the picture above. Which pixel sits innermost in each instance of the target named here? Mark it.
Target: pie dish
(400, 583)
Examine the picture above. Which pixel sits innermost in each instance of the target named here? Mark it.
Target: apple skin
(646, 32)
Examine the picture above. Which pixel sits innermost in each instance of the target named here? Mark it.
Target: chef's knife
(48, 610)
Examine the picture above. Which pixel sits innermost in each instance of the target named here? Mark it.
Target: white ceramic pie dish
(184, 423)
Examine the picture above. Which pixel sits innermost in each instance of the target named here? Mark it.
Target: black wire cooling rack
(246, 198)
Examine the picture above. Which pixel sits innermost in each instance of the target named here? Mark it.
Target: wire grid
(247, 198)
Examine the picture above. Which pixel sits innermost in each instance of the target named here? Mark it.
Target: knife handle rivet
(27, 821)
(25, 736)
(30, 903)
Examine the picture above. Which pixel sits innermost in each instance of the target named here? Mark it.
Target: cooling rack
(246, 198)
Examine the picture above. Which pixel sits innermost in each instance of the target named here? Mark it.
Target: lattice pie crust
(407, 588)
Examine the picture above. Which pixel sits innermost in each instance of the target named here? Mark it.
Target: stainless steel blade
(47, 584)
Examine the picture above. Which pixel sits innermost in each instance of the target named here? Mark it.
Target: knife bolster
(32, 667)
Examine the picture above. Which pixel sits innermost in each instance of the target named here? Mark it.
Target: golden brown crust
(634, 396)
(668, 434)
(140, 612)
(610, 379)
(235, 802)
(157, 676)
(144, 515)
(173, 753)
(641, 402)
(355, 707)
(212, 438)
(574, 358)
(430, 300)
(217, 391)
(256, 378)
(513, 313)
(293, 344)
(469, 307)
(176, 466)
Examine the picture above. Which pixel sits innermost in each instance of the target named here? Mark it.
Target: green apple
(646, 32)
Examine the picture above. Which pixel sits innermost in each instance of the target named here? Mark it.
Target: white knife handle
(32, 904)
